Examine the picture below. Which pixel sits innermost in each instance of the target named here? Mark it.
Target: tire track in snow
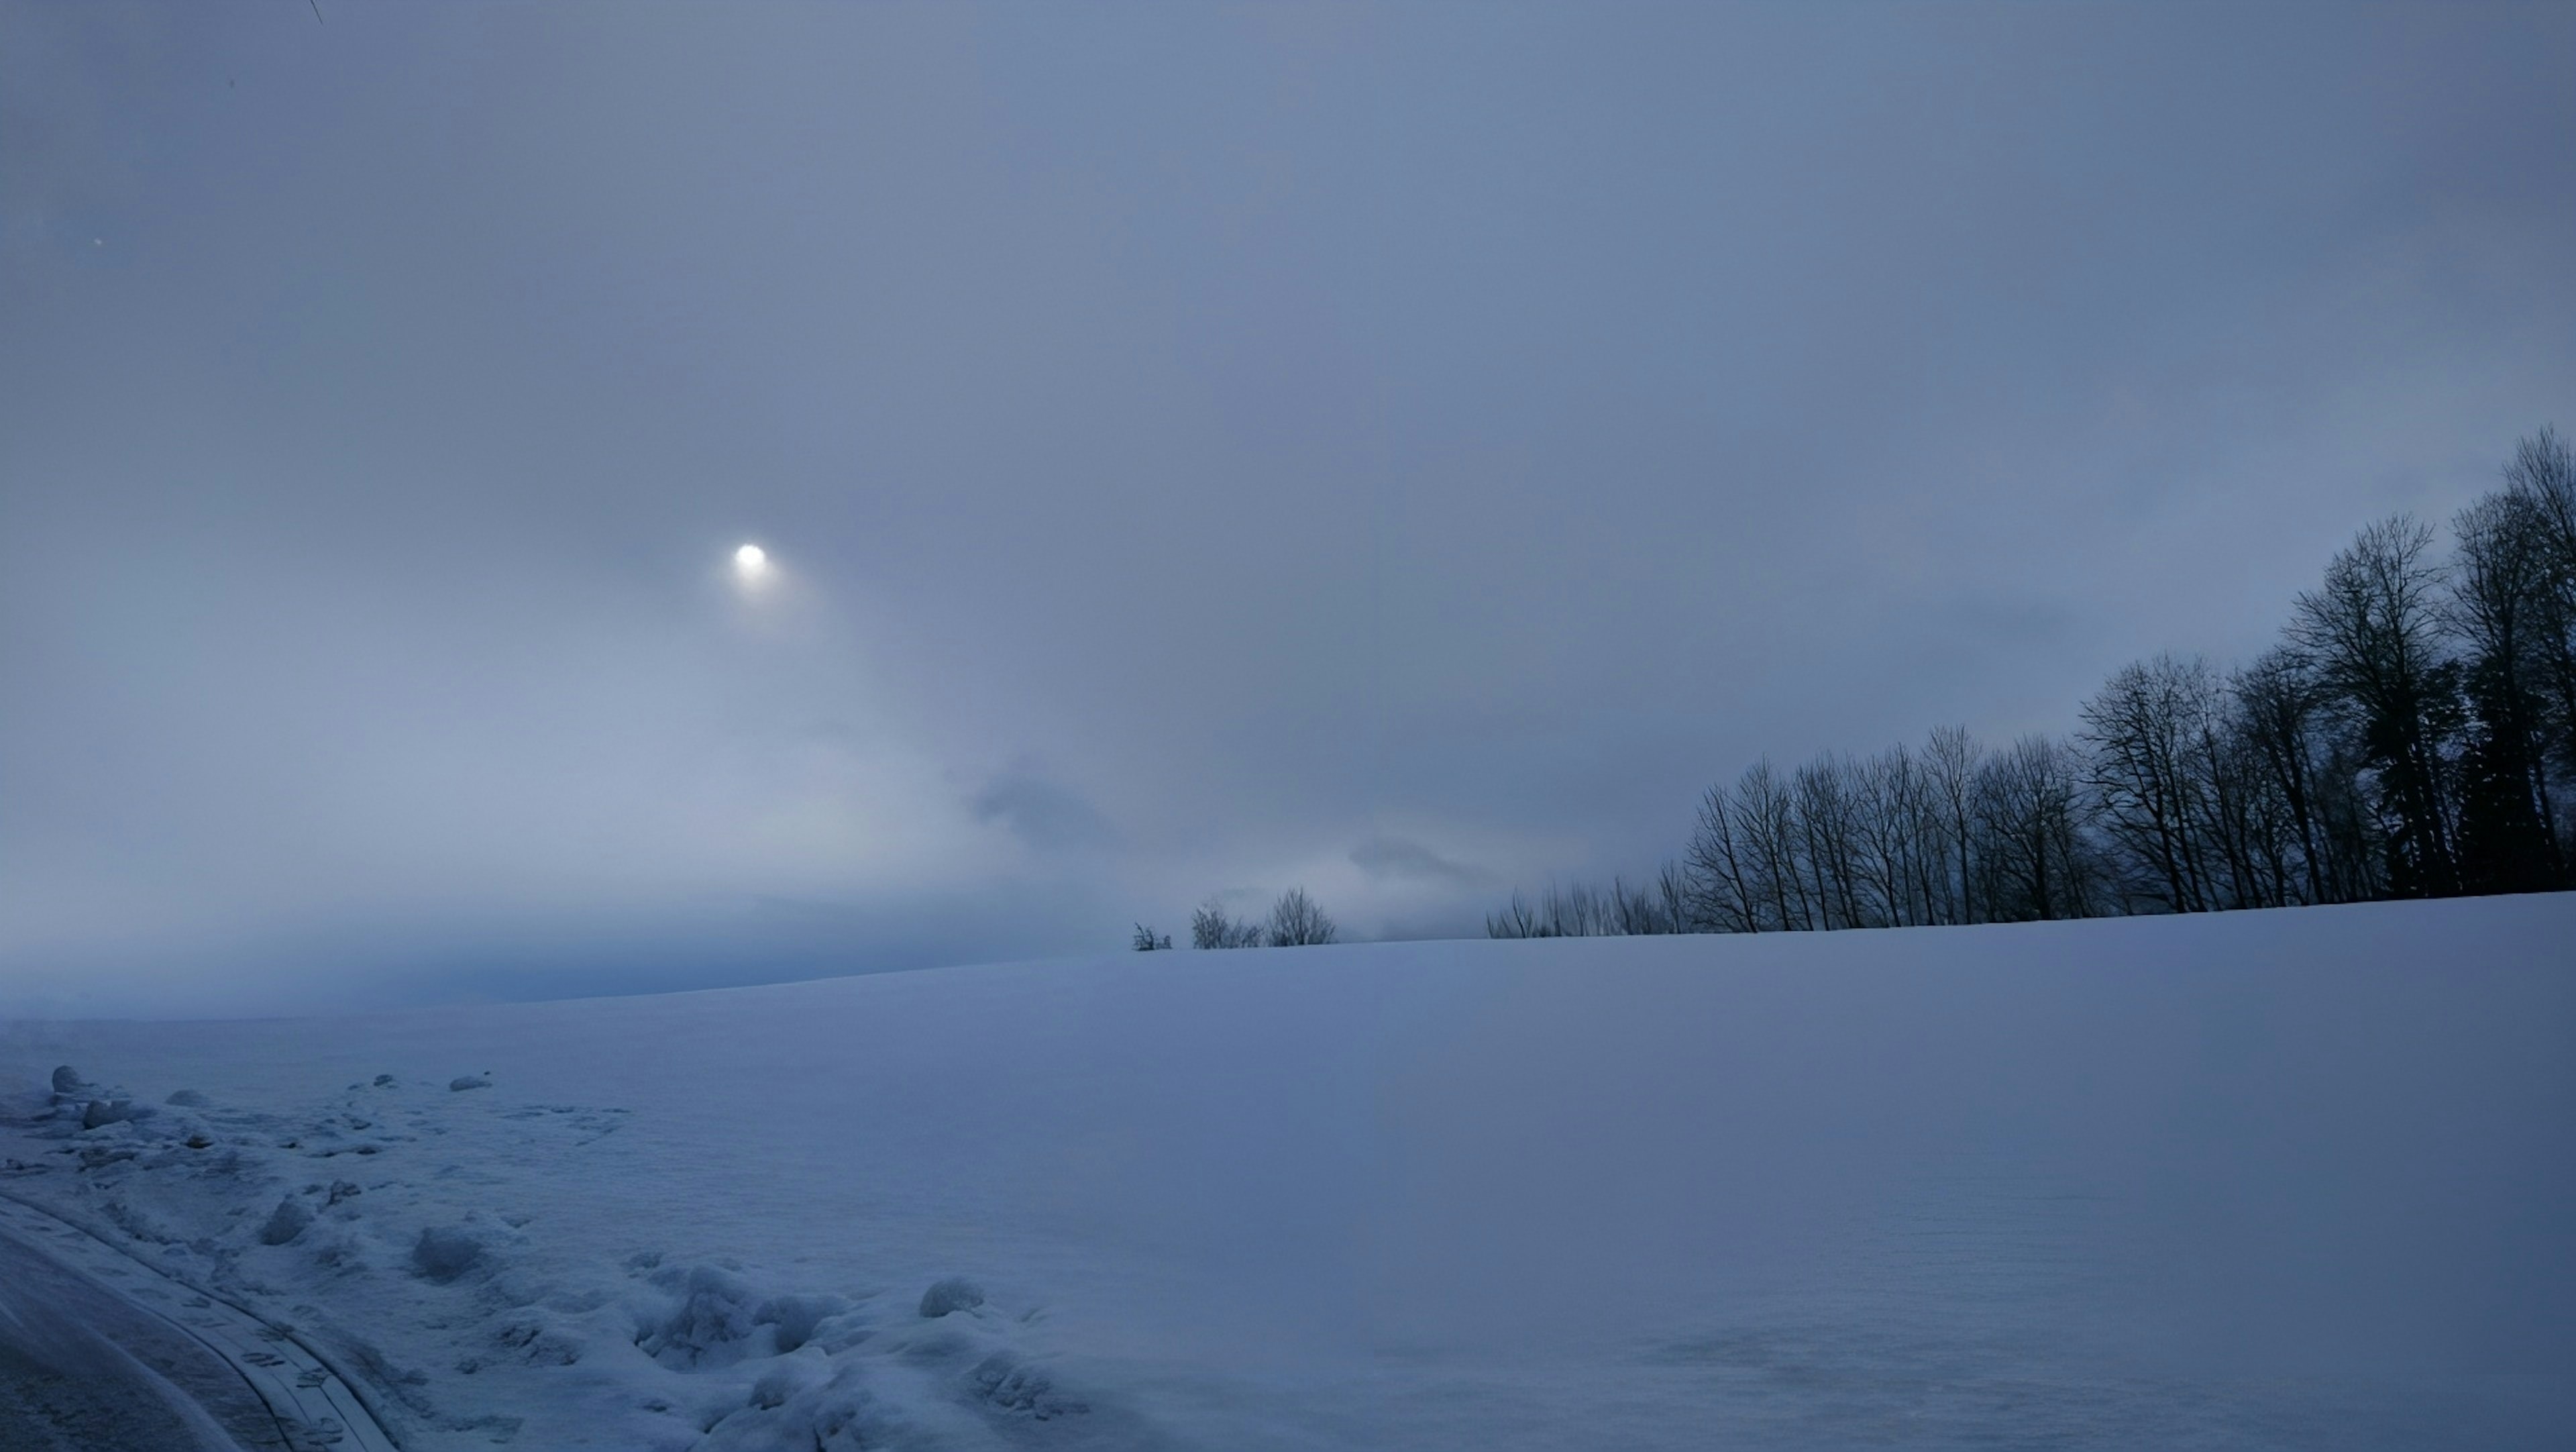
(314, 1406)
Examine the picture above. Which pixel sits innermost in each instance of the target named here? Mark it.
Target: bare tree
(2544, 470)
(2373, 631)
(1149, 941)
(1581, 911)
(2501, 611)
(2027, 801)
(2281, 711)
(1518, 919)
(2245, 816)
(1767, 808)
(1210, 927)
(1295, 921)
(1722, 886)
(2542, 476)
(1676, 899)
(1827, 839)
(2143, 736)
(1951, 763)
(1892, 822)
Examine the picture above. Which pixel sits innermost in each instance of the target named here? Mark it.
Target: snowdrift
(2264, 1179)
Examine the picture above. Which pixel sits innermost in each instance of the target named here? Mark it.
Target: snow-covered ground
(2291, 1179)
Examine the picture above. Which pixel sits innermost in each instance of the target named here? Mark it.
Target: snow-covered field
(2291, 1179)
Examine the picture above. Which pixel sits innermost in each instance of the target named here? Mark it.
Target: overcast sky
(1403, 450)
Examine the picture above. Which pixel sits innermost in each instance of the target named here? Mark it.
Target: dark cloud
(1293, 428)
(1045, 815)
(1394, 857)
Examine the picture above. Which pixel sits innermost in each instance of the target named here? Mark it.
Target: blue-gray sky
(1402, 450)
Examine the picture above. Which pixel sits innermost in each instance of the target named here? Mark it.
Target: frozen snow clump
(953, 1294)
(285, 1223)
(794, 1319)
(706, 1326)
(112, 1111)
(1009, 1385)
(791, 1411)
(469, 1081)
(445, 1252)
(188, 1099)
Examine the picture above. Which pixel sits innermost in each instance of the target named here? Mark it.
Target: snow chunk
(285, 1223)
(463, 1082)
(708, 1324)
(1009, 1385)
(112, 1111)
(790, 1411)
(795, 1319)
(446, 1252)
(953, 1294)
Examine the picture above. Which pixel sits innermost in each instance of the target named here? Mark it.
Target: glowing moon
(751, 562)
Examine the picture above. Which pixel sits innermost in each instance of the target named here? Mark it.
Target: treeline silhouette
(2413, 734)
(1295, 922)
